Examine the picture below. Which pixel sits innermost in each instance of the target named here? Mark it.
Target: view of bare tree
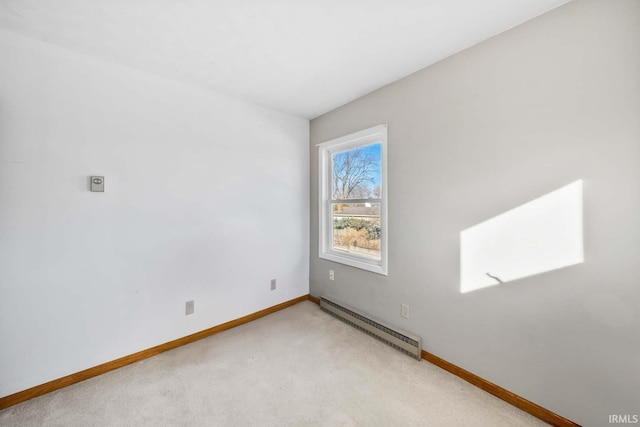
(354, 174)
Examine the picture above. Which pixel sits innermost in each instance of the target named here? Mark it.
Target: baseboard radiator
(407, 343)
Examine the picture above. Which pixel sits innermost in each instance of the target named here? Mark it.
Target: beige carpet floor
(296, 367)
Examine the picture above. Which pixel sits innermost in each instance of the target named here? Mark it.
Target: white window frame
(376, 134)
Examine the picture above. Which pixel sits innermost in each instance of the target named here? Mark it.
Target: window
(353, 200)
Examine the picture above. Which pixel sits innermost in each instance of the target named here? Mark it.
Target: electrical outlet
(404, 311)
(189, 307)
(273, 284)
(332, 275)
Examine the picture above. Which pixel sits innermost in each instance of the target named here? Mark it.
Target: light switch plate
(97, 184)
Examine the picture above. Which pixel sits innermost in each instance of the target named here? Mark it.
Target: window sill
(360, 263)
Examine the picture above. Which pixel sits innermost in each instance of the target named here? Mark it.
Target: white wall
(549, 102)
(206, 198)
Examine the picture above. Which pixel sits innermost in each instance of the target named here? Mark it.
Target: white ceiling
(298, 56)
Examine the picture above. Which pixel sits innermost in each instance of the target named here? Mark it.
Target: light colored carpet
(298, 367)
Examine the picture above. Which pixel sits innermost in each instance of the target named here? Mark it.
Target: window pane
(356, 229)
(357, 173)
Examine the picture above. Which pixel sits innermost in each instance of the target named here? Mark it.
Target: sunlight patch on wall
(542, 235)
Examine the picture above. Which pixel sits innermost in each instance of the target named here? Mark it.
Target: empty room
(328, 213)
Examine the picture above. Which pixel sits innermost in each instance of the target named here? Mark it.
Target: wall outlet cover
(404, 311)
(189, 307)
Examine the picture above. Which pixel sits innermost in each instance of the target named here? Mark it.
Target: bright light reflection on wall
(542, 235)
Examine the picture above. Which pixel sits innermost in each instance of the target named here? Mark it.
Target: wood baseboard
(501, 393)
(314, 299)
(59, 383)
